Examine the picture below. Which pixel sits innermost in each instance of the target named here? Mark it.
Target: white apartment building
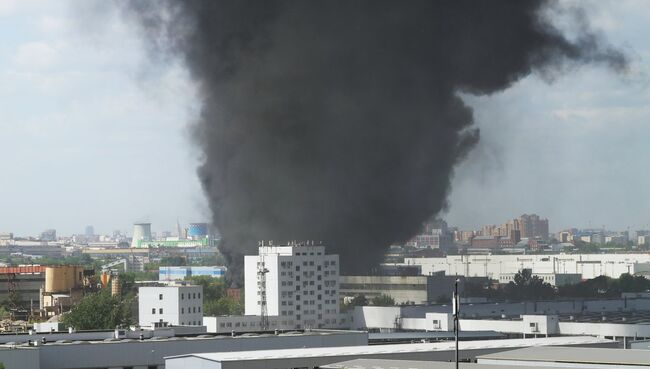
(297, 282)
(170, 305)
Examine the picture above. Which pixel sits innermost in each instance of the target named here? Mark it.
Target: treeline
(527, 287)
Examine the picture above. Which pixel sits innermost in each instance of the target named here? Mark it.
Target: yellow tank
(63, 278)
(106, 277)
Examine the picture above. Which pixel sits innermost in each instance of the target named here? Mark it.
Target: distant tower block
(141, 232)
(197, 230)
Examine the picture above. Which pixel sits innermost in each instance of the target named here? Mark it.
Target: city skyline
(98, 144)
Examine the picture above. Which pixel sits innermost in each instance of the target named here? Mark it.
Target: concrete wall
(375, 317)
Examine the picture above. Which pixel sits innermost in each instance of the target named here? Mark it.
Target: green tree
(629, 283)
(213, 288)
(98, 311)
(526, 286)
(383, 300)
(223, 306)
(175, 260)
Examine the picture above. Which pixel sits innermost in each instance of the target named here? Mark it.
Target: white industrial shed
(314, 357)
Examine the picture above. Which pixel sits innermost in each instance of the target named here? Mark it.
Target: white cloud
(53, 24)
(35, 55)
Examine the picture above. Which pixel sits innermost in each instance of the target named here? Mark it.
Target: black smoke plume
(340, 121)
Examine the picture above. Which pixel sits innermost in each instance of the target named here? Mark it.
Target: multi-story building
(434, 235)
(402, 289)
(170, 305)
(532, 226)
(179, 273)
(296, 281)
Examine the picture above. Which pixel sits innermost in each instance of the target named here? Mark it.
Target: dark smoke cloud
(340, 120)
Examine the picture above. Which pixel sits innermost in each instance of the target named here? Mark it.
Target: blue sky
(92, 132)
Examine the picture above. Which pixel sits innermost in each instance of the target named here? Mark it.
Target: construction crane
(261, 283)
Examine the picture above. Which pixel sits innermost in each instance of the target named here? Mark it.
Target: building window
(199, 294)
(182, 296)
(182, 310)
(160, 297)
(153, 311)
(160, 311)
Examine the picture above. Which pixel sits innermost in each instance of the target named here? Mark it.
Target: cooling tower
(141, 232)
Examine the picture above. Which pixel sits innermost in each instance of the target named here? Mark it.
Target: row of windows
(191, 310)
(194, 322)
(190, 296)
(252, 324)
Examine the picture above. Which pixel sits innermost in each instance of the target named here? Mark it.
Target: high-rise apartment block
(528, 226)
(532, 226)
(296, 282)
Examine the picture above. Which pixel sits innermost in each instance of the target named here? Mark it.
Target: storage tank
(141, 232)
(63, 278)
(105, 278)
(116, 286)
(197, 230)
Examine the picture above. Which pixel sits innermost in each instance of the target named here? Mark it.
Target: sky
(93, 132)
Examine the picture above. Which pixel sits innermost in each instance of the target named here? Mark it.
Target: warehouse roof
(571, 355)
(393, 349)
(409, 364)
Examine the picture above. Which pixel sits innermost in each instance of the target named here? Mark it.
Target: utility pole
(456, 310)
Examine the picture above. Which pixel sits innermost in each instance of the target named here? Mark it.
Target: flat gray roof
(391, 349)
(433, 335)
(573, 355)
(409, 364)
